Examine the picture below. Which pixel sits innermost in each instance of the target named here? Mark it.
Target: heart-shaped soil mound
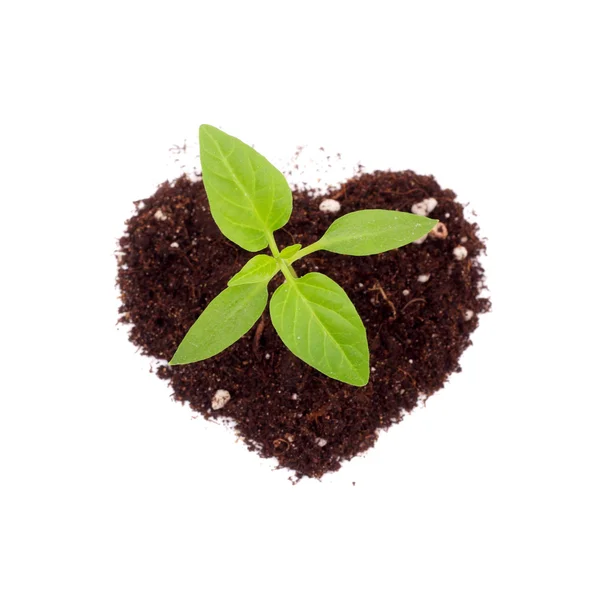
(419, 304)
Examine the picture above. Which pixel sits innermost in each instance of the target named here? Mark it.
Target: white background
(110, 490)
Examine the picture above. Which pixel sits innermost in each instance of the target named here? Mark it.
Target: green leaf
(289, 252)
(367, 232)
(259, 269)
(317, 321)
(224, 321)
(249, 198)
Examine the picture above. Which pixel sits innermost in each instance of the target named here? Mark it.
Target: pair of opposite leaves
(250, 199)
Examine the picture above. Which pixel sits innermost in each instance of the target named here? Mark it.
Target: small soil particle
(220, 399)
(424, 207)
(170, 269)
(329, 205)
(460, 252)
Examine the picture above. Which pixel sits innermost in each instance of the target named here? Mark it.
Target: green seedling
(249, 200)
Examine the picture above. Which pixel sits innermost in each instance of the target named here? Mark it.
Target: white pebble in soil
(420, 240)
(174, 245)
(424, 207)
(405, 292)
(159, 215)
(220, 399)
(329, 205)
(294, 396)
(321, 442)
(460, 252)
(423, 278)
(469, 314)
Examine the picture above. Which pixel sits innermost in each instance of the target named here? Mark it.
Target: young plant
(250, 199)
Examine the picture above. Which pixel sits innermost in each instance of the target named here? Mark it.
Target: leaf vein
(240, 185)
(328, 335)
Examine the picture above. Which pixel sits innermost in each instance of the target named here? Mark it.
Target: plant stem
(305, 252)
(287, 270)
(272, 245)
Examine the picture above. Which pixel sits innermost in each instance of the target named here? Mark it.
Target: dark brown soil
(175, 261)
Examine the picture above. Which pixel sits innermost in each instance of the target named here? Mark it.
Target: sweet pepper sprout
(249, 200)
